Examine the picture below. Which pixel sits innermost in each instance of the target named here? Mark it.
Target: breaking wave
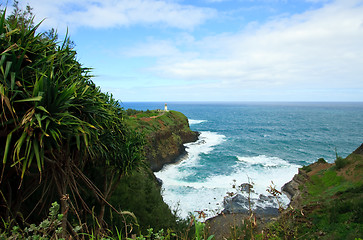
(193, 121)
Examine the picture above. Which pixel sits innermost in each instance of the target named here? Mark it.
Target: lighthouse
(166, 107)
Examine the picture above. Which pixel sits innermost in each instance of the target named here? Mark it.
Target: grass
(331, 205)
(165, 132)
(327, 182)
(153, 120)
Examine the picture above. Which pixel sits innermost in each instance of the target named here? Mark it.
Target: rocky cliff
(294, 188)
(346, 168)
(326, 203)
(165, 134)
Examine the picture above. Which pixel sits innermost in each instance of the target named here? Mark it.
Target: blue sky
(216, 50)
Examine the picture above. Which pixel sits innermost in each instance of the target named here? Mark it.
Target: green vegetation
(140, 194)
(152, 120)
(164, 131)
(306, 168)
(62, 139)
(48, 228)
(321, 160)
(331, 205)
(340, 162)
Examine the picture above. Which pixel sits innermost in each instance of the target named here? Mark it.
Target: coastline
(173, 159)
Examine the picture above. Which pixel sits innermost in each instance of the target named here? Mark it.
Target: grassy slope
(149, 122)
(331, 205)
(165, 133)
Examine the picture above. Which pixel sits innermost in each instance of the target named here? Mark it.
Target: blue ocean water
(258, 142)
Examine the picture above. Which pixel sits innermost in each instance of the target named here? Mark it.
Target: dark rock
(263, 199)
(245, 187)
(239, 204)
(159, 181)
(290, 189)
(236, 204)
(269, 211)
(359, 150)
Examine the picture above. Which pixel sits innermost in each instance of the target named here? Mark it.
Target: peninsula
(165, 131)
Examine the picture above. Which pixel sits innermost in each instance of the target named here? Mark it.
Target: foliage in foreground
(62, 139)
(57, 130)
(50, 228)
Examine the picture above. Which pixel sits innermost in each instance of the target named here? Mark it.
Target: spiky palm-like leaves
(53, 119)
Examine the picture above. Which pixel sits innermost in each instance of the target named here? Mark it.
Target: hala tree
(53, 121)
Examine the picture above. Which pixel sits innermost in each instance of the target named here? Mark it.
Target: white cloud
(320, 48)
(112, 13)
(152, 49)
(302, 54)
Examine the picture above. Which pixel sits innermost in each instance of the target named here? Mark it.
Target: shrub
(340, 162)
(321, 160)
(306, 168)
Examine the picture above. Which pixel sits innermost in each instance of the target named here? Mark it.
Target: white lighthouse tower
(166, 107)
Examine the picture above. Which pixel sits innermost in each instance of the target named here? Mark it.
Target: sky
(215, 50)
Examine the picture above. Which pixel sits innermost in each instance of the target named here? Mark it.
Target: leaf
(37, 155)
(14, 46)
(12, 76)
(43, 109)
(28, 116)
(7, 69)
(46, 126)
(38, 98)
(78, 141)
(85, 139)
(7, 146)
(19, 144)
(23, 170)
(37, 115)
(2, 60)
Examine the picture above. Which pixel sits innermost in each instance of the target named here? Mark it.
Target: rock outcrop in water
(261, 204)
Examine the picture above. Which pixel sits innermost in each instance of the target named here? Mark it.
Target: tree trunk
(62, 182)
(101, 214)
(64, 211)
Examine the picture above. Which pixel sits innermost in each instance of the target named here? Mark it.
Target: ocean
(257, 143)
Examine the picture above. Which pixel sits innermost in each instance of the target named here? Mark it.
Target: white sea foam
(208, 194)
(191, 196)
(193, 121)
(206, 142)
(264, 161)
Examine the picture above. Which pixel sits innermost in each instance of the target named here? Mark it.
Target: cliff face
(165, 134)
(326, 200)
(294, 189)
(348, 170)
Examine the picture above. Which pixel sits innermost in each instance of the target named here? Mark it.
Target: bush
(321, 160)
(306, 168)
(340, 162)
(131, 112)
